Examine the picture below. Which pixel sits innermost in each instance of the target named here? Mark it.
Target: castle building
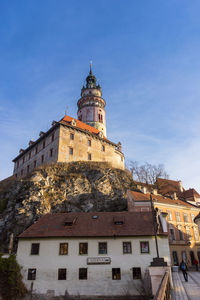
(70, 139)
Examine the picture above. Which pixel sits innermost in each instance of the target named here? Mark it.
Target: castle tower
(91, 106)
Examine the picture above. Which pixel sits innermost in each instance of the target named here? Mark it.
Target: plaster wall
(81, 148)
(31, 156)
(99, 280)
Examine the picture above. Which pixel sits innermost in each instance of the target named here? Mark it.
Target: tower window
(71, 136)
(43, 144)
(51, 152)
(36, 150)
(52, 137)
(71, 151)
(34, 163)
(89, 143)
(103, 148)
(42, 158)
(89, 156)
(29, 156)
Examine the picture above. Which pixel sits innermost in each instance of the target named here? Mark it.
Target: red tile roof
(92, 224)
(167, 186)
(191, 193)
(80, 125)
(137, 196)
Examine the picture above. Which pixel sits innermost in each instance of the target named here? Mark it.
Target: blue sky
(146, 56)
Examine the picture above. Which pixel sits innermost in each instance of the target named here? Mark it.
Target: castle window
(103, 148)
(29, 156)
(42, 158)
(28, 169)
(71, 150)
(71, 136)
(23, 159)
(36, 150)
(34, 163)
(83, 274)
(21, 172)
(31, 274)
(89, 156)
(63, 249)
(43, 145)
(52, 137)
(17, 164)
(51, 152)
(35, 248)
(62, 274)
(116, 274)
(89, 143)
(136, 273)
(83, 248)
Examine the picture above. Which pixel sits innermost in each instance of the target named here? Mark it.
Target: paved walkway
(186, 290)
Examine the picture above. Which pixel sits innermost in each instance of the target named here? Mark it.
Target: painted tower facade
(91, 106)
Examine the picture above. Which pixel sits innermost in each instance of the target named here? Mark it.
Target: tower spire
(90, 67)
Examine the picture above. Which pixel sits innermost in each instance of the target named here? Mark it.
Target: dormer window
(119, 220)
(69, 221)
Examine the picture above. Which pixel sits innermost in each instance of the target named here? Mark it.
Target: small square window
(116, 274)
(137, 273)
(62, 274)
(103, 148)
(83, 274)
(71, 136)
(71, 151)
(89, 156)
(31, 274)
(83, 248)
(103, 248)
(127, 248)
(63, 249)
(89, 143)
(35, 248)
(144, 247)
(51, 152)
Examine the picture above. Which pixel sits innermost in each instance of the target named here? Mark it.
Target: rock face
(61, 187)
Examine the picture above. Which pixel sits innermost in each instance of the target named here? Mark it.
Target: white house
(89, 254)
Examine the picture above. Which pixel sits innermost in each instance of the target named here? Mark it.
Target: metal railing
(164, 290)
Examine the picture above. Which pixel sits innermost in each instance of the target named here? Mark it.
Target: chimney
(144, 189)
(174, 196)
(180, 186)
(155, 192)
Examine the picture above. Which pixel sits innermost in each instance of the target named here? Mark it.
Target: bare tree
(147, 173)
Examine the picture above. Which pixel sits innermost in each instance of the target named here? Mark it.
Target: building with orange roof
(183, 233)
(70, 139)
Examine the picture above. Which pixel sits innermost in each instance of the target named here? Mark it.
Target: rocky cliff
(62, 187)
